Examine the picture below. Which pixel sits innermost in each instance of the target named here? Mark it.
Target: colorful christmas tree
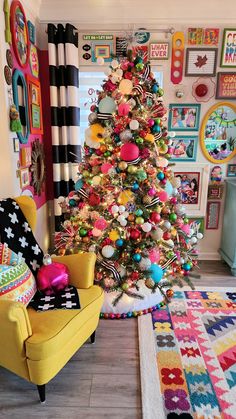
(126, 205)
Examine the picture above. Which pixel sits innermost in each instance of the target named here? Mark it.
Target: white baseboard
(209, 256)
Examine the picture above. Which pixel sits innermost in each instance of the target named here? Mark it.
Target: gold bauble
(114, 235)
(123, 165)
(125, 197)
(132, 169)
(130, 217)
(149, 283)
(150, 137)
(147, 199)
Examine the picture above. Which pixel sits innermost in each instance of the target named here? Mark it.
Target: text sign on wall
(96, 37)
(226, 86)
(159, 51)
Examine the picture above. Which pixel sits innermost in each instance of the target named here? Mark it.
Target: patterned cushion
(17, 282)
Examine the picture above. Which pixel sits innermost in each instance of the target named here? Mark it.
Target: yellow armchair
(37, 345)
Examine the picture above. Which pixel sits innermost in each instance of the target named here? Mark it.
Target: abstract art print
(228, 51)
(184, 117)
(184, 148)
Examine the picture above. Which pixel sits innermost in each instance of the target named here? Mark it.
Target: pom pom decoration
(134, 125)
(129, 152)
(52, 277)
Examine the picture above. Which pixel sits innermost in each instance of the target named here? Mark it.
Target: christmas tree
(126, 205)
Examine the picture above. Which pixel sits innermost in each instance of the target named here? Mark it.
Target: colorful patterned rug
(195, 340)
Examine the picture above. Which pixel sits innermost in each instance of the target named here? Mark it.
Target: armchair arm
(81, 267)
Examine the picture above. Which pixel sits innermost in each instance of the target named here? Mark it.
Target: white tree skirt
(128, 304)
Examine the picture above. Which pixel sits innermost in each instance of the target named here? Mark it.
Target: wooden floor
(102, 380)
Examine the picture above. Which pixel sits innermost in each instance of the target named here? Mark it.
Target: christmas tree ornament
(52, 277)
(129, 152)
(156, 273)
(126, 86)
(169, 293)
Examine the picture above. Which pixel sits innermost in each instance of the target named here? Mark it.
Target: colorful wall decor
(177, 57)
(195, 36)
(142, 37)
(35, 105)
(197, 224)
(7, 75)
(16, 145)
(34, 61)
(19, 31)
(203, 89)
(231, 170)
(31, 31)
(25, 156)
(38, 167)
(158, 50)
(216, 174)
(201, 61)
(215, 191)
(184, 148)
(228, 51)
(24, 177)
(9, 58)
(226, 86)
(102, 45)
(6, 9)
(184, 117)
(212, 217)
(211, 36)
(19, 83)
(121, 46)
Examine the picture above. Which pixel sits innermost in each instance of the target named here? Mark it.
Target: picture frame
(201, 62)
(16, 145)
(19, 32)
(231, 170)
(211, 36)
(102, 46)
(35, 105)
(226, 85)
(184, 148)
(213, 215)
(34, 61)
(25, 156)
(31, 31)
(228, 56)
(197, 224)
(24, 177)
(215, 191)
(195, 200)
(184, 117)
(195, 36)
(159, 50)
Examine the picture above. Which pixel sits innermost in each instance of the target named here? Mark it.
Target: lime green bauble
(83, 232)
(172, 217)
(132, 169)
(139, 220)
(125, 286)
(139, 140)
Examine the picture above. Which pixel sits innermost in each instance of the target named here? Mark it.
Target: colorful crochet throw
(196, 354)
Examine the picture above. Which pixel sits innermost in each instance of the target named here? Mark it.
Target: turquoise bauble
(186, 266)
(135, 187)
(156, 129)
(78, 184)
(155, 88)
(156, 272)
(107, 105)
(72, 202)
(138, 212)
(137, 257)
(160, 176)
(119, 242)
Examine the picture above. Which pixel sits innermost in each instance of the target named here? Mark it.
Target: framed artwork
(16, 145)
(25, 156)
(141, 50)
(35, 105)
(159, 50)
(201, 62)
(197, 224)
(212, 217)
(24, 177)
(228, 51)
(184, 117)
(211, 36)
(193, 187)
(195, 36)
(19, 31)
(231, 170)
(184, 148)
(226, 85)
(121, 46)
(34, 61)
(102, 46)
(31, 31)
(215, 191)
(20, 98)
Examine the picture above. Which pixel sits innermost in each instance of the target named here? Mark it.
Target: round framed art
(19, 31)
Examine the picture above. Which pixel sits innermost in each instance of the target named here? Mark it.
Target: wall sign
(97, 37)
(226, 86)
(215, 191)
(121, 46)
(159, 50)
(212, 218)
(34, 61)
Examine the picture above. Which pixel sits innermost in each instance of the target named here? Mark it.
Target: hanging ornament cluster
(126, 205)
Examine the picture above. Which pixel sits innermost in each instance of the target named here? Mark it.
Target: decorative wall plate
(7, 74)
(9, 58)
(38, 166)
(19, 31)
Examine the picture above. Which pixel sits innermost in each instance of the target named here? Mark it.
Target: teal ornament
(117, 139)
(142, 37)
(78, 184)
(135, 187)
(119, 242)
(156, 129)
(107, 105)
(141, 175)
(155, 88)
(138, 60)
(168, 188)
(137, 257)
(160, 176)
(138, 212)
(186, 266)
(72, 202)
(156, 273)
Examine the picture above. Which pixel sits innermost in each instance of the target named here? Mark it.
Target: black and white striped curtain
(65, 111)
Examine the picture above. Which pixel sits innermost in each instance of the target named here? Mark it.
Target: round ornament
(126, 86)
(100, 61)
(7, 75)
(149, 283)
(9, 58)
(108, 251)
(136, 257)
(129, 152)
(156, 273)
(169, 293)
(123, 109)
(134, 124)
(107, 105)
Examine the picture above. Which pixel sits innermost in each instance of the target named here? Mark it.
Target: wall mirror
(20, 96)
(218, 133)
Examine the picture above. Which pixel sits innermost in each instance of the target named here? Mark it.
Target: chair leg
(92, 337)
(42, 391)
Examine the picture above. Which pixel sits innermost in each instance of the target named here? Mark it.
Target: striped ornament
(65, 111)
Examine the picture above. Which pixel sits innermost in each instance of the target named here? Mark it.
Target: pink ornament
(154, 255)
(90, 233)
(129, 152)
(152, 192)
(163, 196)
(98, 152)
(151, 122)
(186, 228)
(52, 278)
(170, 150)
(96, 232)
(101, 224)
(173, 200)
(164, 181)
(105, 167)
(123, 109)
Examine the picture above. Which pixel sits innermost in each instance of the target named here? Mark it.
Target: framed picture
(201, 62)
(211, 36)
(34, 62)
(35, 105)
(195, 36)
(193, 187)
(212, 217)
(16, 145)
(102, 47)
(231, 170)
(197, 224)
(24, 177)
(226, 85)
(184, 148)
(25, 156)
(228, 55)
(31, 31)
(159, 50)
(215, 191)
(184, 117)
(19, 31)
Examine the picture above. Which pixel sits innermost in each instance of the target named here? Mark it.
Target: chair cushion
(17, 282)
(53, 329)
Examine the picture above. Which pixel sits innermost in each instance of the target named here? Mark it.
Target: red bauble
(155, 217)
(201, 90)
(134, 276)
(94, 199)
(135, 234)
(166, 235)
(129, 152)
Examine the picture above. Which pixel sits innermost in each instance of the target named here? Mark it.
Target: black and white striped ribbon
(157, 136)
(135, 161)
(138, 89)
(110, 266)
(149, 95)
(168, 262)
(104, 116)
(154, 202)
(147, 71)
(83, 193)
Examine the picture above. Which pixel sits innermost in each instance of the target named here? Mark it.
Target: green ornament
(185, 220)
(139, 140)
(89, 181)
(139, 66)
(139, 220)
(107, 154)
(85, 173)
(161, 142)
(132, 169)
(83, 232)
(157, 121)
(160, 92)
(172, 217)
(141, 175)
(125, 286)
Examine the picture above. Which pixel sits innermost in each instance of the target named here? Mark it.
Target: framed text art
(184, 148)
(19, 31)
(35, 105)
(215, 191)
(184, 117)
(212, 217)
(226, 85)
(158, 50)
(201, 62)
(228, 51)
(192, 187)
(231, 170)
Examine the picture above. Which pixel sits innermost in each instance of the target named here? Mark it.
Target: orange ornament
(169, 293)
(131, 217)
